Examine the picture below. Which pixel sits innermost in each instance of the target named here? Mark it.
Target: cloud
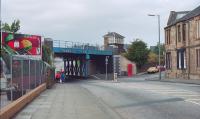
(89, 20)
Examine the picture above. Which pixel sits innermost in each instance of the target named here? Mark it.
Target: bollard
(115, 77)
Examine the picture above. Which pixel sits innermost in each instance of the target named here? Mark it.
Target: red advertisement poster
(22, 44)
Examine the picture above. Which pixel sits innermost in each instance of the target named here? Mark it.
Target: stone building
(115, 42)
(182, 43)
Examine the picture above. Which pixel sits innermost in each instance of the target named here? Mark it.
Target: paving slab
(67, 101)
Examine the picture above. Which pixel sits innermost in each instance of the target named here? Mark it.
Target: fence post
(29, 73)
(59, 43)
(40, 72)
(22, 77)
(11, 72)
(44, 75)
(35, 73)
(65, 46)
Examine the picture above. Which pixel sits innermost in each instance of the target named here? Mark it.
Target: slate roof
(114, 34)
(193, 13)
(176, 17)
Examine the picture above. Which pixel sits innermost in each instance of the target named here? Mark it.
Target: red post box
(130, 70)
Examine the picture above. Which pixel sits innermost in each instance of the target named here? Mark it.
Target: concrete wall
(97, 64)
(121, 64)
(124, 64)
(92, 68)
(10, 110)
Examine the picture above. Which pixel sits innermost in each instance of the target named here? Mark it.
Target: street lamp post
(158, 16)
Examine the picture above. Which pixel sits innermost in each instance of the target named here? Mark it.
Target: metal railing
(76, 45)
(26, 73)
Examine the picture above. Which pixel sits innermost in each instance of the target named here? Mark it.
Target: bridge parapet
(78, 48)
(76, 45)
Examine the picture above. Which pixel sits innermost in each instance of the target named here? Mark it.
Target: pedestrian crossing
(186, 95)
(194, 101)
(172, 91)
(162, 89)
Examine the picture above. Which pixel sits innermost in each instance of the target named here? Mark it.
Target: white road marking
(170, 91)
(162, 90)
(195, 99)
(197, 103)
(187, 95)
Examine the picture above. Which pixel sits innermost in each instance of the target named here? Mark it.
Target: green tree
(138, 52)
(13, 27)
(152, 58)
(46, 54)
(162, 49)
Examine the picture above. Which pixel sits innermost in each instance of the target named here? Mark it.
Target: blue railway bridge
(82, 60)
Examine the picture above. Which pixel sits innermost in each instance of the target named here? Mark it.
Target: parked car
(152, 70)
(162, 68)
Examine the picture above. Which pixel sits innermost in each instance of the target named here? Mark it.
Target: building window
(198, 57)
(111, 40)
(184, 32)
(184, 56)
(168, 36)
(168, 60)
(198, 29)
(179, 33)
(181, 59)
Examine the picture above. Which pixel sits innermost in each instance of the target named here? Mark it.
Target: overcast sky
(88, 20)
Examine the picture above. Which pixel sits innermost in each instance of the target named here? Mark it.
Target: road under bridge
(83, 60)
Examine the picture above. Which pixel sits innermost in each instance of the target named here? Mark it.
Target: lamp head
(151, 15)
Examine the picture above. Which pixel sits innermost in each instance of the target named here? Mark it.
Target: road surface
(129, 98)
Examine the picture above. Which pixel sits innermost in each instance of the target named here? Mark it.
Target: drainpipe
(188, 49)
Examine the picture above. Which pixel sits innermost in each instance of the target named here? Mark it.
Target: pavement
(154, 77)
(67, 101)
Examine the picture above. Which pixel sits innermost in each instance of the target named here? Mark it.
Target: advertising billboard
(22, 44)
